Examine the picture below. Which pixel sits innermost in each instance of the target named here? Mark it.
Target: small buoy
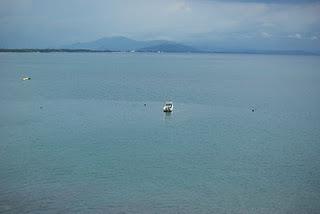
(41, 107)
(145, 104)
(252, 110)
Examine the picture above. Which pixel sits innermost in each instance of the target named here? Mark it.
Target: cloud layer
(44, 23)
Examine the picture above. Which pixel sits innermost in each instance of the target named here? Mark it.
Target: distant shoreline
(53, 50)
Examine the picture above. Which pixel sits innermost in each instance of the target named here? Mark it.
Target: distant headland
(124, 44)
(49, 50)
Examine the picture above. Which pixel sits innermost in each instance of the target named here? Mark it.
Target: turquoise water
(77, 138)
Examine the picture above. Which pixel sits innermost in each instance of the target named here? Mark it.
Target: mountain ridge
(121, 43)
(124, 44)
(170, 48)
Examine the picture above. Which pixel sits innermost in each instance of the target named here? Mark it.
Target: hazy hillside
(169, 47)
(116, 44)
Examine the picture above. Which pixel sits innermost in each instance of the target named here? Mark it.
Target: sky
(229, 24)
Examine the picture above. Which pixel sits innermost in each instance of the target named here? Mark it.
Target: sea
(87, 133)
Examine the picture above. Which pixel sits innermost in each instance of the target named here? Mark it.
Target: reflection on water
(167, 115)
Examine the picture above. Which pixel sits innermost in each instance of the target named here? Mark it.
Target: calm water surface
(77, 137)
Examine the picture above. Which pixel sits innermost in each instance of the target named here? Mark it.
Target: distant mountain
(169, 48)
(118, 43)
(109, 43)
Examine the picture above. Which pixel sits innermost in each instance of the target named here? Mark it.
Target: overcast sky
(288, 24)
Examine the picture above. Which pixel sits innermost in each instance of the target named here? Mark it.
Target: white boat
(168, 106)
(26, 78)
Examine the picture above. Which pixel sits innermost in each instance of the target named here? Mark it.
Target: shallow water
(77, 138)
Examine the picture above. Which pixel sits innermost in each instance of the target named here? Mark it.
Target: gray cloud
(45, 23)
